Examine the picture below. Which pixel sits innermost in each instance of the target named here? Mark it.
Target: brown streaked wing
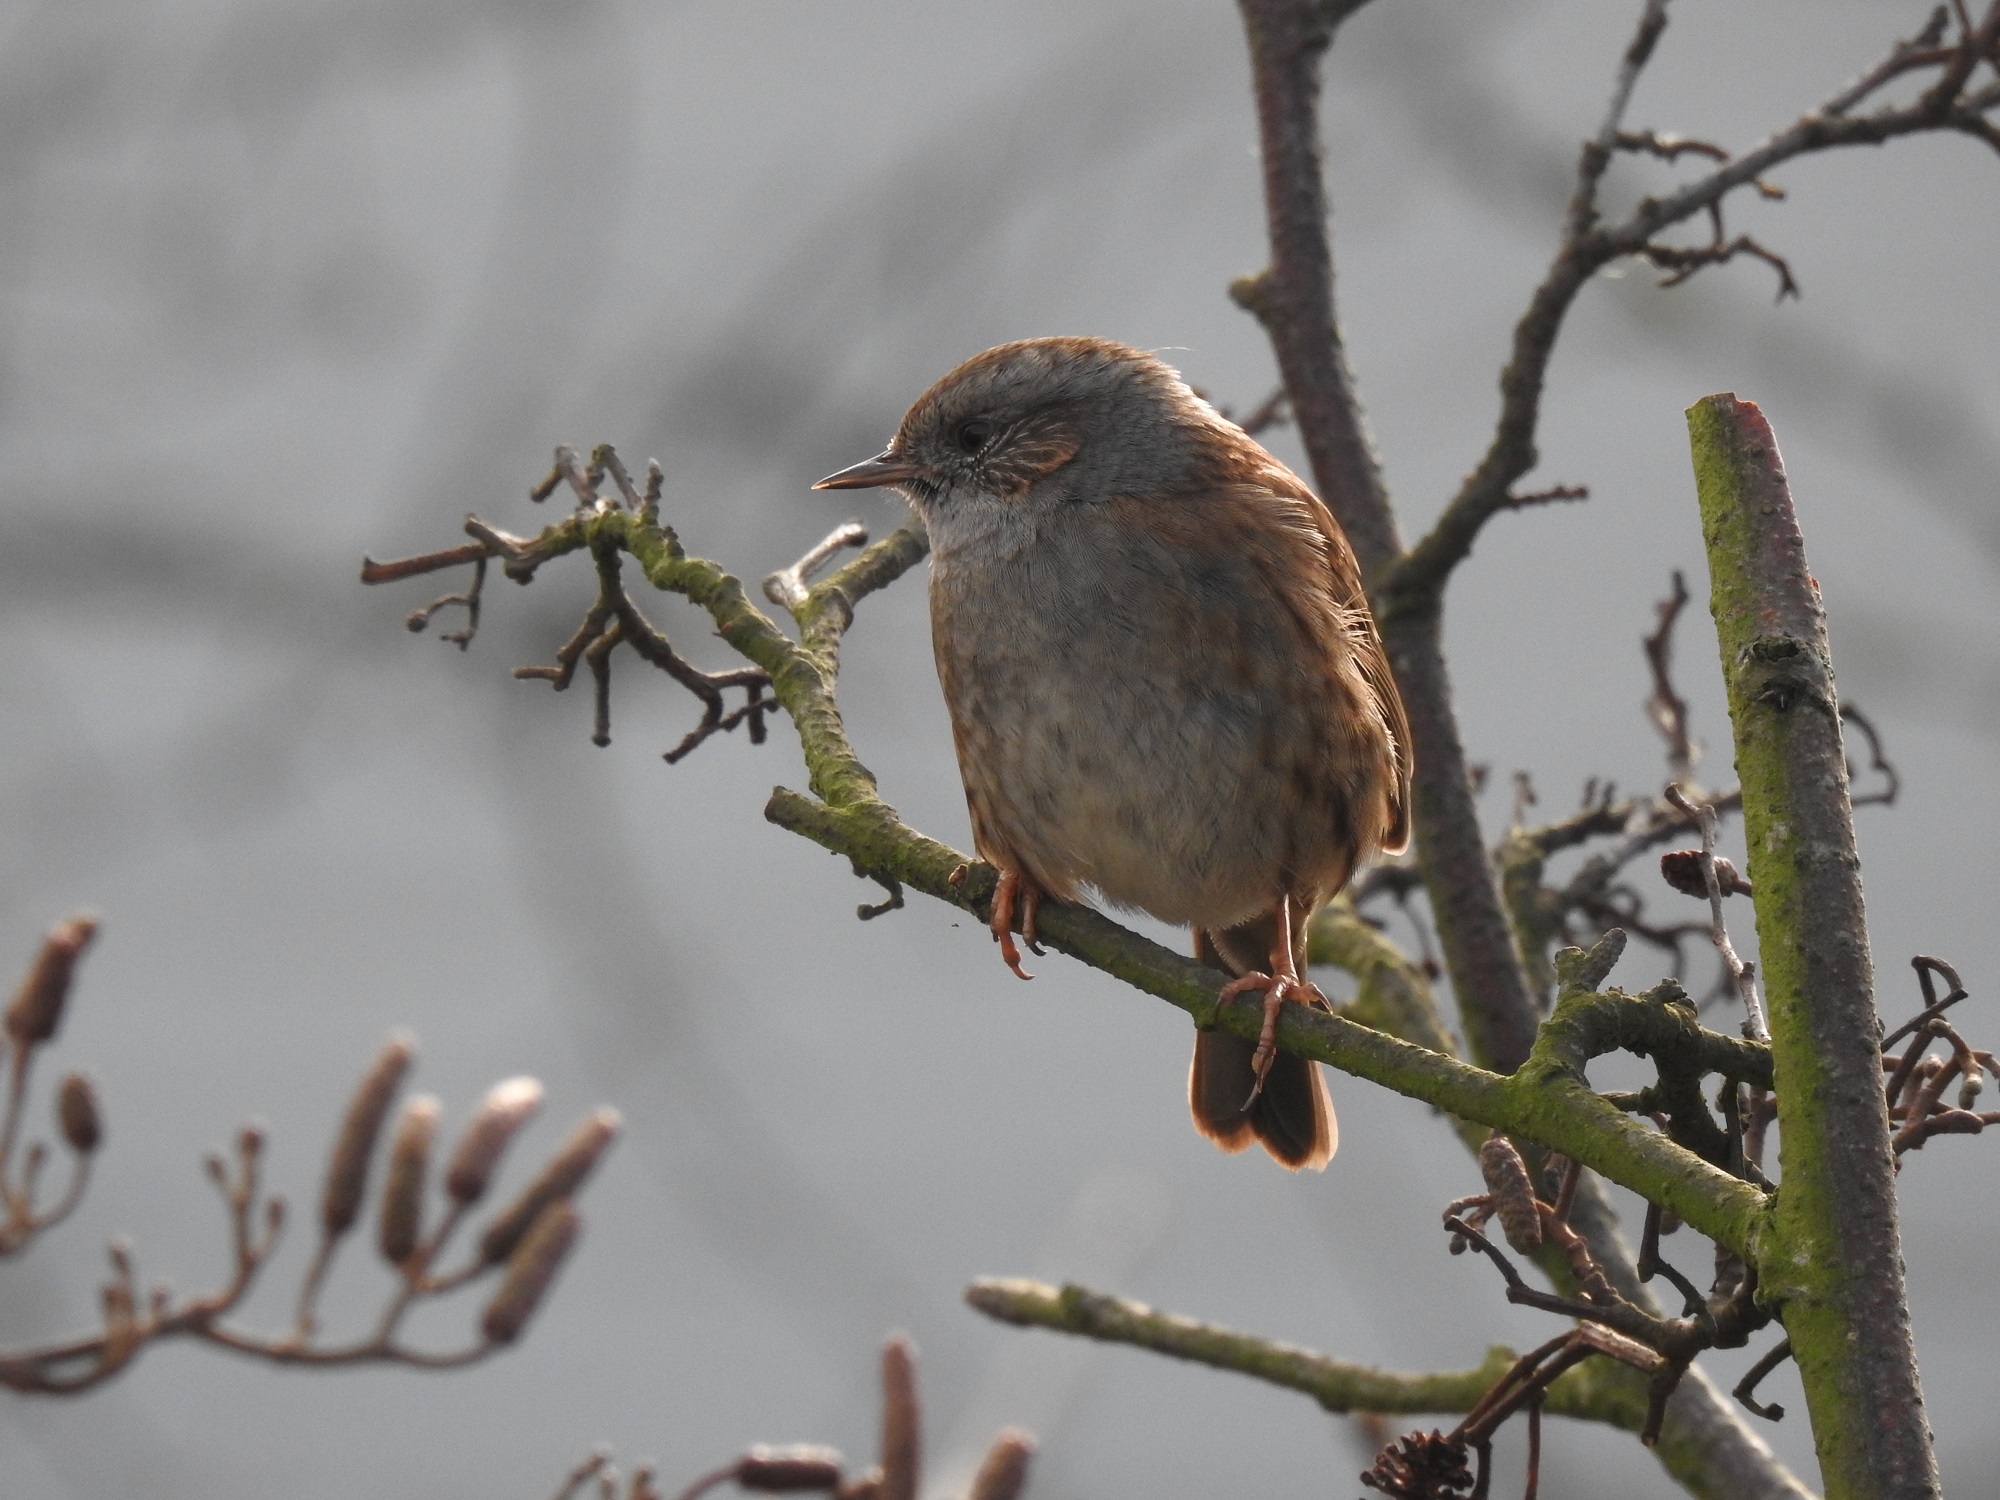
(1373, 660)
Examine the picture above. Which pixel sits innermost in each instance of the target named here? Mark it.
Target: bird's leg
(1012, 887)
(1282, 983)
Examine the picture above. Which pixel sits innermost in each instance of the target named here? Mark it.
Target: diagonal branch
(1611, 136)
(1551, 1105)
(1336, 1384)
(1588, 246)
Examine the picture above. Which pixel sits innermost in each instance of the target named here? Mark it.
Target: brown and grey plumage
(1165, 685)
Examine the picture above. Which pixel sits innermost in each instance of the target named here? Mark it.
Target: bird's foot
(1277, 988)
(1013, 888)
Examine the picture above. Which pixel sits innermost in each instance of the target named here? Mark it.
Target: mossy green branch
(1661, 1023)
(1338, 1385)
(1551, 1104)
(1834, 1262)
(829, 605)
(1599, 1390)
(1391, 993)
(802, 679)
(802, 673)
(1534, 909)
(1554, 1107)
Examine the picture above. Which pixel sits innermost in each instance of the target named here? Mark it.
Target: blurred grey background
(283, 283)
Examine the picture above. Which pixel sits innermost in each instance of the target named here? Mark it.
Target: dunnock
(1165, 685)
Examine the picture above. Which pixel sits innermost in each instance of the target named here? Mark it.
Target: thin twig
(429, 562)
(1756, 1026)
(1272, 411)
(1418, 577)
(1665, 707)
(1745, 1390)
(1880, 764)
(788, 586)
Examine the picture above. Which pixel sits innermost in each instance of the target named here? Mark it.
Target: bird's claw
(1011, 888)
(1277, 988)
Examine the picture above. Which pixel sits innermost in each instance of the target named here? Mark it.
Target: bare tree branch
(1293, 298)
(1589, 245)
(523, 1248)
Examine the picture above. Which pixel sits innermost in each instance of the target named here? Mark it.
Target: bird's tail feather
(1292, 1117)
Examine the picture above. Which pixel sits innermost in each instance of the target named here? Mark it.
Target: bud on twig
(76, 1111)
(1681, 869)
(122, 1335)
(505, 1109)
(1513, 1194)
(1627, 1351)
(902, 1430)
(37, 1007)
(564, 1174)
(347, 1169)
(403, 1192)
(1971, 1084)
(529, 1273)
(783, 1471)
(1003, 1473)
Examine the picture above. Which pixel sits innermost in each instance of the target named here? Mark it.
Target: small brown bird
(1165, 685)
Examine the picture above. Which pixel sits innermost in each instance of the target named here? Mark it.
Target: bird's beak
(886, 467)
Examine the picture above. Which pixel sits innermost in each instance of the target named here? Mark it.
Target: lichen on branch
(1553, 1106)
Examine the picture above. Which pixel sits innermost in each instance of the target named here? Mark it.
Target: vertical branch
(1741, 974)
(1705, 1445)
(1487, 973)
(1293, 298)
(1837, 1266)
(1488, 979)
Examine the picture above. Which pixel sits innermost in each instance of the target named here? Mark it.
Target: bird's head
(1044, 421)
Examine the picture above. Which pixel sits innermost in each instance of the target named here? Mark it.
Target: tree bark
(1836, 1265)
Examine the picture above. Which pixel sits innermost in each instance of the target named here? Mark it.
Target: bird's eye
(974, 435)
